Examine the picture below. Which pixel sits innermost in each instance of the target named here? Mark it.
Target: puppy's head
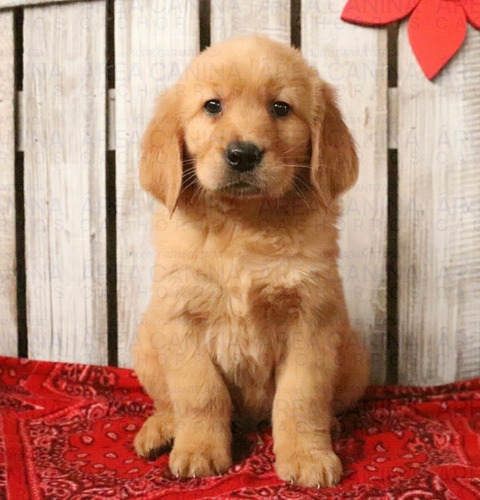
(249, 118)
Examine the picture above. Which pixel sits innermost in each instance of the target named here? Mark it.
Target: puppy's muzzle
(243, 156)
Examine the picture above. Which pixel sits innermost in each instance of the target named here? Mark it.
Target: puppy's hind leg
(353, 371)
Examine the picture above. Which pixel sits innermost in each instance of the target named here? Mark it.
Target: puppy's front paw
(206, 459)
(310, 467)
(154, 435)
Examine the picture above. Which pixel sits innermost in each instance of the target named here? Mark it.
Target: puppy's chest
(247, 325)
(251, 287)
(234, 327)
(246, 351)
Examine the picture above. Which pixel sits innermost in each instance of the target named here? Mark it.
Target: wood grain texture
(65, 142)
(5, 4)
(154, 42)
(8, 281)
(230, 19)
(439, 217)
(354, 60)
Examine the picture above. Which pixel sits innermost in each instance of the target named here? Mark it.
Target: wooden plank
(8, 282)
(6, 4)
(230, 19)
(360, 67)
(65, 142)
(153, 45)
(354, 60)
(439, 217)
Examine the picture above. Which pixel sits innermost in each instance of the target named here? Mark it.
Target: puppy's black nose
(243, 156)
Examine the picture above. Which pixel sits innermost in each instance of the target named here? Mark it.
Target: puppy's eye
(213, 107)
(280, 109)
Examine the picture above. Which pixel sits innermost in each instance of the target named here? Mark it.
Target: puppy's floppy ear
(334, 161)
(162, 151)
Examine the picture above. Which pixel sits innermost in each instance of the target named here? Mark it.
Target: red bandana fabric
(66, 432)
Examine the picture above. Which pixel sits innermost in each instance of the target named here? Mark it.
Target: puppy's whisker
(197, 194)
(302, 160)
(197, 191)
(189, 169)
(202, 190)
(296, 158)
(189, 175)
(301, 191)
(298, 144)
(301, 195)
(302, 185)
(297, 189)
(293, 147)
(294, 188)
(188, 178)
(304, 182)
(296, 166)
(188, 185)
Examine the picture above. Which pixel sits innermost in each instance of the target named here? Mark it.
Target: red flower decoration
(436, 29)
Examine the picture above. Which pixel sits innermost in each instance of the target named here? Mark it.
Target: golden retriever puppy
(247, 154)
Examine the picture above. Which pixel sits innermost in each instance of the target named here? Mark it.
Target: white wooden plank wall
(154, 42)
(230, 19)
(354, 60)
(8, 282)
(65, 142)
(439, 217)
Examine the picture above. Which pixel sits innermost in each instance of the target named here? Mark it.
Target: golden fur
(247, 317)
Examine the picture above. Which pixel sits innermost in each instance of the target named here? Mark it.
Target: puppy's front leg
(202, 409)
(302, 415)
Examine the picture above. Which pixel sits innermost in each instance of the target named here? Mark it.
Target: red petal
(472, 8)
(377, 11)
(436, 31)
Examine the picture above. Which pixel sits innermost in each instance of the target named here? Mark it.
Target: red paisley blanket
(66, 432)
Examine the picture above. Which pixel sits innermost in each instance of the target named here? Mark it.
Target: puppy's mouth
(240, 188)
